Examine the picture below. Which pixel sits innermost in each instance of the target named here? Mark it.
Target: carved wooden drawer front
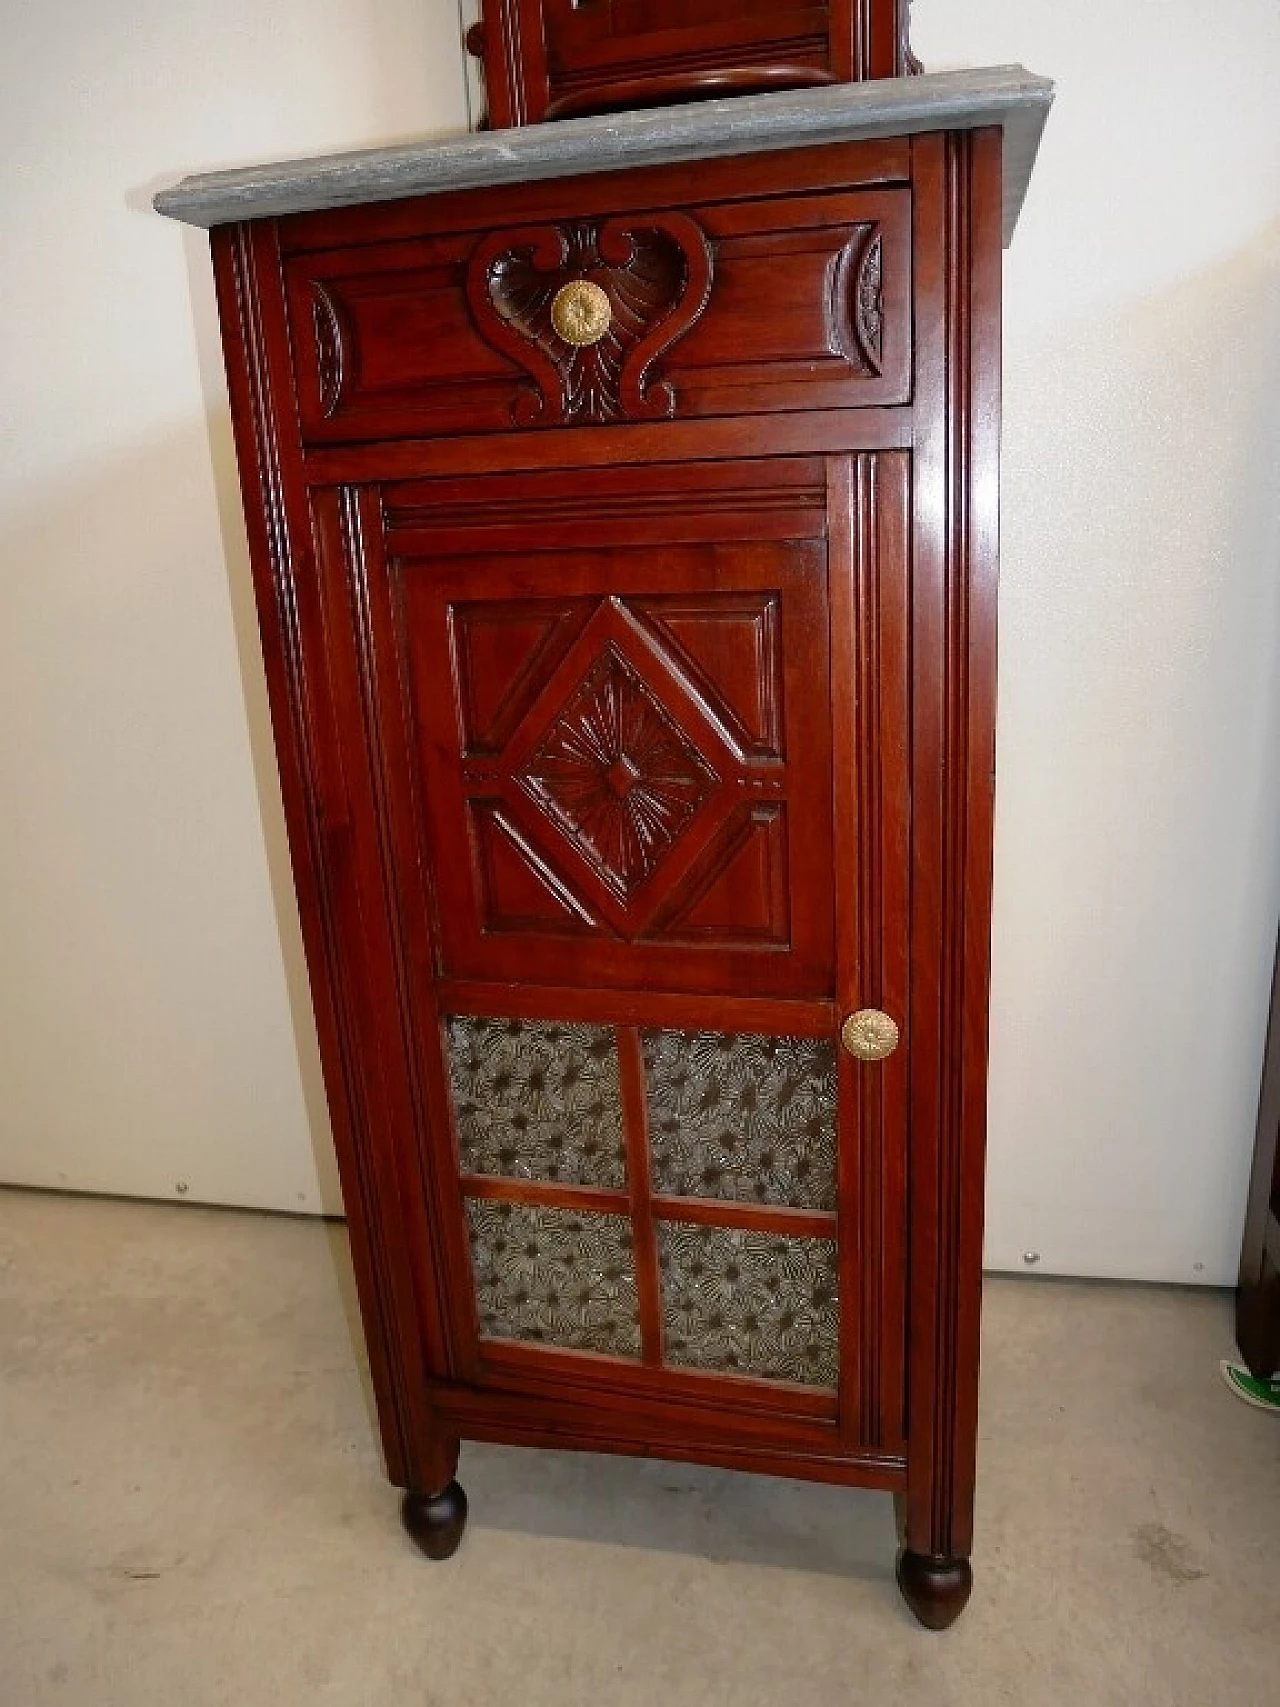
(731, 308)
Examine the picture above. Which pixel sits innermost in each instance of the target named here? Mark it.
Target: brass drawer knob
(869, 1035)
(581, 312)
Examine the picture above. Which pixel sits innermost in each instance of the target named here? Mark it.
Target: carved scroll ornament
(533, 291)
(329, 347)
(855, 302)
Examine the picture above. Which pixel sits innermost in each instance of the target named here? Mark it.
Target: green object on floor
(1265, 1394)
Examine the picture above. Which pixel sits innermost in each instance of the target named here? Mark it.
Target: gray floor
(192, 1512)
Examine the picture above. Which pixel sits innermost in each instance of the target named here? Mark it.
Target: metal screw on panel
(1031, 1258)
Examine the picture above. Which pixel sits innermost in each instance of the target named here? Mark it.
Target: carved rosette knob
(869, 1035)
(581, 312)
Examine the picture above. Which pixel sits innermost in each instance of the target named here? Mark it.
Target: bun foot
(936, 1590)
(435, 1521)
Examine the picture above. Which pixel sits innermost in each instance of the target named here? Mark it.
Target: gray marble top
(1006, 95)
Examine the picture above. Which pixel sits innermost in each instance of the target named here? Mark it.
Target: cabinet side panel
(247, 272)
(955, 549)
(985, 261)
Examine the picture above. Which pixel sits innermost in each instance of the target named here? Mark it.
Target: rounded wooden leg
(436, 1521)
(936, 1590)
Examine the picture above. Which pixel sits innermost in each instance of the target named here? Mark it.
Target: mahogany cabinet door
(637, 752)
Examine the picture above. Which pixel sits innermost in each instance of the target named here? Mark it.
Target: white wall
(150, 948)
(1138, 819)
(146, 1032)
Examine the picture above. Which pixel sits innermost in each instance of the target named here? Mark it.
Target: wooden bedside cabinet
(625, 551)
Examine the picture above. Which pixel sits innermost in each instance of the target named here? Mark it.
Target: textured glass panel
(741, 1116)
(555, 1275)
(537, 1100)
(751, 1303)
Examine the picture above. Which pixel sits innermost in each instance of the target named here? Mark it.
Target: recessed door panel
(622, 735)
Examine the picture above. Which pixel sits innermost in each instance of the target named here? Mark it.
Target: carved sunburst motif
(619, 775)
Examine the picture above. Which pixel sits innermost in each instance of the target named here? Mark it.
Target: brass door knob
(869, 1035)
(581, 312)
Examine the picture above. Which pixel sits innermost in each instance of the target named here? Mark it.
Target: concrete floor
(192, 1512)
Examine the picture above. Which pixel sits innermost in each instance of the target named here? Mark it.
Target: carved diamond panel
(537, 1100)
(554, 1276)
(503, 652)
(730, 645)
(760, 1304)
(619, 775)
(518, 890)
(633, 769)
(742, 1116)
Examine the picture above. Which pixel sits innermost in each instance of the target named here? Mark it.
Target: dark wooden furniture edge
(954, 569)
(1258, 1288)
(418, 1456)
